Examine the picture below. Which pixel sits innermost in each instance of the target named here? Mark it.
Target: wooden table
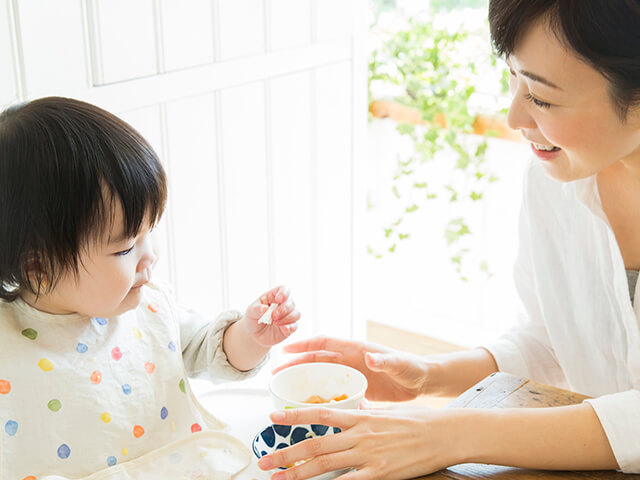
(501, 390)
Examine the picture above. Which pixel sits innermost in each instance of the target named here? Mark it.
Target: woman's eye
(536, 102)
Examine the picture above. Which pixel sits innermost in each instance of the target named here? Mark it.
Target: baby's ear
(36, 274)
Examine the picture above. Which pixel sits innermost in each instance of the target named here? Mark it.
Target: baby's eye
(124, 252)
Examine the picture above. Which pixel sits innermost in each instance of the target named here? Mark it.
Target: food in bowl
(305, 385)
(318, 399)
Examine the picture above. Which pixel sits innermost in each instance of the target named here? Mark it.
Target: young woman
(575, 80)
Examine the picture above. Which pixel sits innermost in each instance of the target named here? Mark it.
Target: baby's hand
(284, 317)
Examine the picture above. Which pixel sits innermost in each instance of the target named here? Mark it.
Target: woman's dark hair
(65, 165)
(604, 33)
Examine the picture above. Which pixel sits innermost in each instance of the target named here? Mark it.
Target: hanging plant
(431, 70)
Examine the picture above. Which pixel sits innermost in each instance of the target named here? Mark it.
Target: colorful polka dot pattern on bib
(64, 451)
(5, 387)
(30, 333)
(11, 427)
(106, 387)
(96, 377)
(45, 364)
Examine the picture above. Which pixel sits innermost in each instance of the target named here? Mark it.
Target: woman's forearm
(450, 374)
(557, 438)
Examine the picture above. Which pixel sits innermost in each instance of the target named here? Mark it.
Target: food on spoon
(266, 316)
(319, 399)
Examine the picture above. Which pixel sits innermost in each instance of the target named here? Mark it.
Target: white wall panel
(148, 122)
(290, 132)
(124, 39)
(194, 197)
(187, 33)
(333, 19)
(245, 192)
(290, 23)
(241, 27)
(53, 46)
(334, 190)
(8, 85)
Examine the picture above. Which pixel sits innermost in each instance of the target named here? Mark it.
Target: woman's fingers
(332, 357)
(342, 419)
(323, 449)
(321, 464)
(315, 343)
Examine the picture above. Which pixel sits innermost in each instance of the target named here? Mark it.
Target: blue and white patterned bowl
(276, 437)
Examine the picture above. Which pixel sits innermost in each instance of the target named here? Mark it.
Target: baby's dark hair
(64, 167)
(605, 34)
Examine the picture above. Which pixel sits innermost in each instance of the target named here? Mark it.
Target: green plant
(433, 74)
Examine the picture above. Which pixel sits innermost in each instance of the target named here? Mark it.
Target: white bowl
(293, 386)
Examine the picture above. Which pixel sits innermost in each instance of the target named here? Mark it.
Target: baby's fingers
(276, 295)
(281, 314)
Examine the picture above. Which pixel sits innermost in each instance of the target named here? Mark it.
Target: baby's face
(110, 276)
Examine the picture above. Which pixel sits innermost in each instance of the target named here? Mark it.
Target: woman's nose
(518, 117)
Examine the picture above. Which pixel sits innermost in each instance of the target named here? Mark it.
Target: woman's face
(563, 104)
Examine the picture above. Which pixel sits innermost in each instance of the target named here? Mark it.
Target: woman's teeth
(546, 148)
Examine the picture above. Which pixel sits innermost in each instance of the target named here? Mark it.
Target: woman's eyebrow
(538, 78)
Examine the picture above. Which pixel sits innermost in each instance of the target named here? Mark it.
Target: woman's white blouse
(580, 330)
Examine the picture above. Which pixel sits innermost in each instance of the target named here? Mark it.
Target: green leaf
(403, 236)
(392, 248)
(395, 191)
(411, 209)
(420, 185)
(388, 232)
(475, 196)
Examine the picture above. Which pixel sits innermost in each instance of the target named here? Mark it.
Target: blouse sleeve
(525, 350)
(202, 351)
(619, 415)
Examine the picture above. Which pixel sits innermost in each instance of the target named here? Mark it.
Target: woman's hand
(284, 317)
(392, 376)
(389, 444)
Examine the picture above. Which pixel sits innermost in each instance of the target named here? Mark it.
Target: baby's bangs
(138, 183)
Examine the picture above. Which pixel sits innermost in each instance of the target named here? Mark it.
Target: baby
(94, 358)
